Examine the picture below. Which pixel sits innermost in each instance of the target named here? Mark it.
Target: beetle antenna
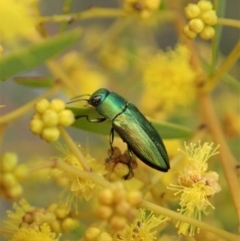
(78, 98)
(73, 101)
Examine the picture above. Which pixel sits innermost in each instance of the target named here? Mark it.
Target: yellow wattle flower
(17, 19)
(30, 234)
(168, 81)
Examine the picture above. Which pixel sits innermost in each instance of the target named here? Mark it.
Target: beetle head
(98, 97)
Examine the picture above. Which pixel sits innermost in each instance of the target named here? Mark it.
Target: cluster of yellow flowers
(19, 19)
(143, 8)
(117, 205)
(195, 184)
(171, 79)
(49, 115)
(167, 78)
(202, 18)
(65, 220)
(79, 187)
(59, 218)
(142, 228)
(10, 175)
(44, 233)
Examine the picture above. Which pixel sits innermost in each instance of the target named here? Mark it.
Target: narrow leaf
(220, 6)
(34, 81)
(32, 56)
(165, 129)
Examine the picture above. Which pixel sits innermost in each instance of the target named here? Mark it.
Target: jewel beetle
(136, 131)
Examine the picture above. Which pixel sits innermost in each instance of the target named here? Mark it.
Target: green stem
(74, 148)
(229, 22)
(66, 10)
(179, 217)
(87, 14)
(223, 69)
(27, 107)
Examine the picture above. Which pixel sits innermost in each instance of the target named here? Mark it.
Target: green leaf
(220, 6)
(165, 129)
(34, 55)
(37, 82)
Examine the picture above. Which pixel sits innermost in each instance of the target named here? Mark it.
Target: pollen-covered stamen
(142, 228)
(195, 184)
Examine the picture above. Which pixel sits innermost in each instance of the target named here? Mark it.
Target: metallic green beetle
(132, 126)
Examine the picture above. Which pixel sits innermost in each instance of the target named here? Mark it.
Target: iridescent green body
(132, 126)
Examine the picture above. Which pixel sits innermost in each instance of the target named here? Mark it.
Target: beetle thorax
(112, 106)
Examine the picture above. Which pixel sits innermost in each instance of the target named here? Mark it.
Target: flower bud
(57, 105)
(15, 191)
(196, 25)
(104, 236)
(56, 226)
(152, 4)
(28, 217)
(207, 33)
(118, 222)
(91, 234)
(113, 177)
(119, 193)
(50, 134)
(192, 11)
(66, 117)
(8, 161)
(50, 118)
(122, 208)
(104, 212)
(189, 33)
(210, 17)
(69, 224)
(8, 180)
(205, 5)
(36, 126)
(121, 169)
(134, 198)
(106, 197)
(61, 212)
(41, 105)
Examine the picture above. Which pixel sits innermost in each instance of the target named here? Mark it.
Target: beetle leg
(130, 163)
(129, 151)
(96, 120)
(111, 138)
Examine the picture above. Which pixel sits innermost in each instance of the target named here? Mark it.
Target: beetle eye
(96, 100)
